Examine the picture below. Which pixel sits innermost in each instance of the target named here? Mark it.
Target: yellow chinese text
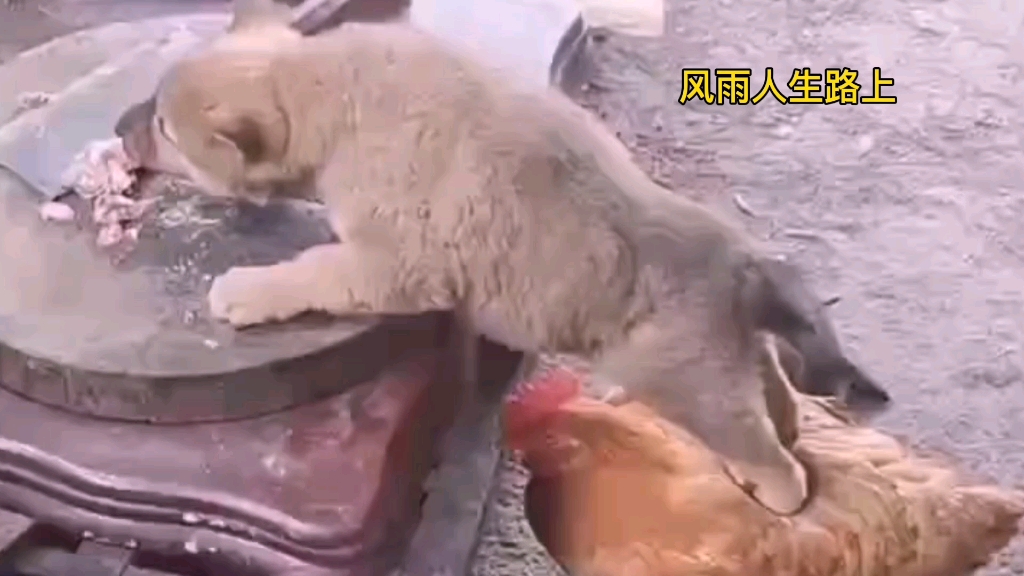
(769, 86)
(876, 89)
(696, 86)
(841, 86)
(733, 85)
(805, 82)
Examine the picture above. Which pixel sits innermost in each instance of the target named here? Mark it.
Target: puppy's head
(258, 28)
(216, 120)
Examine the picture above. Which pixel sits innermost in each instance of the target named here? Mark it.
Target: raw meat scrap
(103, 173)
(102, 167)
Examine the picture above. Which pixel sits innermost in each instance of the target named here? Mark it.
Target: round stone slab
(127, 335)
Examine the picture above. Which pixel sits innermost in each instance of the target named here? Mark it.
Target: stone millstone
(128, 335)
(132, 340)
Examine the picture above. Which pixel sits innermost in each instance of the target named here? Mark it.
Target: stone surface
(465, 484)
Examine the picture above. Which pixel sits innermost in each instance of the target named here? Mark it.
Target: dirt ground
(910, 212)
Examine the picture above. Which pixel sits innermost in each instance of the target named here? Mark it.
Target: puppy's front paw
(249, 295)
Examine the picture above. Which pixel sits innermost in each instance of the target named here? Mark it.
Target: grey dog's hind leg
(709, 384)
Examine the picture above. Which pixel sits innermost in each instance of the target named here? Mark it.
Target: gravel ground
(910, 212)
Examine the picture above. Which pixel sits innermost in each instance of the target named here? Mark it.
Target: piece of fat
(56, 211)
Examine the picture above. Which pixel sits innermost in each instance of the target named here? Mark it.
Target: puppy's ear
(257, 135)
(244, 134)
(253, 13)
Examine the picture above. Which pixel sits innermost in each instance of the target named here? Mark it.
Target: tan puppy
(451, 187)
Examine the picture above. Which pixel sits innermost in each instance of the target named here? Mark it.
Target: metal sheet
(89, 78)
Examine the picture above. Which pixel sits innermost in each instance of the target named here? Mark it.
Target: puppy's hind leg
(705, 385)
(339, 279)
